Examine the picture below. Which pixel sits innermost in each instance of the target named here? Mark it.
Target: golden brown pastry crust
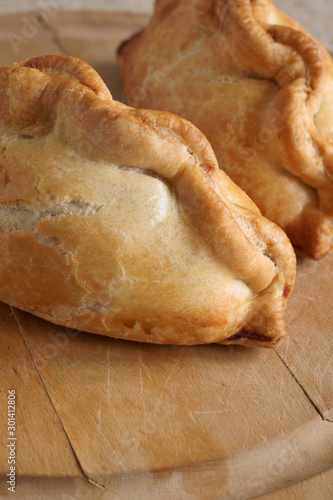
(260, 88)
(119, 222)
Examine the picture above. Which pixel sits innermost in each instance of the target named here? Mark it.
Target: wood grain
(42, 449)
(22, 37)
(246, 474)
(138, 416)
(315, 488)
(308, 350)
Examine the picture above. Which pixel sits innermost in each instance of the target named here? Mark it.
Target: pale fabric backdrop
(315, 15)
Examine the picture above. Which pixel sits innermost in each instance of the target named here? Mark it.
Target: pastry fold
(260, 88)
(119, 222)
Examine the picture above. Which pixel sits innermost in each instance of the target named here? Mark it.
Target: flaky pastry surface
(260, 88)
(119, 222)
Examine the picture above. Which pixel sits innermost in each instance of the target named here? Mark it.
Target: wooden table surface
(98, 418)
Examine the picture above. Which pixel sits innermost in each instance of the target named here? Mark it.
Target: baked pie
(260, 88)
(119, 222)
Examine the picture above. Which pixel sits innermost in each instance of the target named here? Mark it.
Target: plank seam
(53, 31)
(229, 462)
(322, 416)
(89, 480)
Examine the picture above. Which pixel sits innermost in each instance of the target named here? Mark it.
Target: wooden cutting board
(100, 418)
